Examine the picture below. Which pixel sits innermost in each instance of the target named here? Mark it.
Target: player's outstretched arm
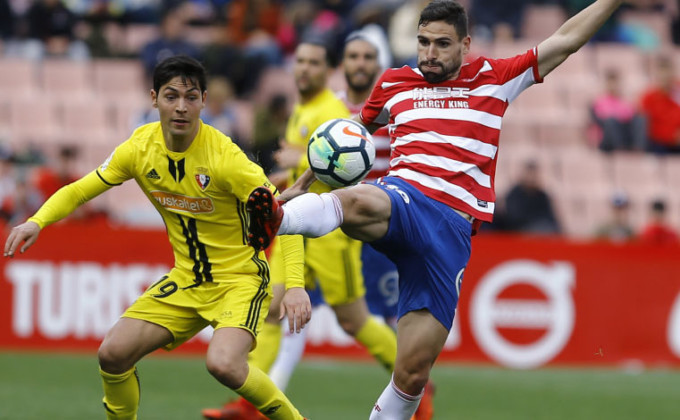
(300, 186)
(573, 34)
(297, 306)
(26, 233)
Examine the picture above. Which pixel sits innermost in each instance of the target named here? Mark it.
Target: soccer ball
(340, 152)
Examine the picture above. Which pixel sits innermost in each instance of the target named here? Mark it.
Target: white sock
(290, 352)
(311, 215)
(394, 404)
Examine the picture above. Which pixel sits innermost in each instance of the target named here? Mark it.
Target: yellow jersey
(200, 194)
(305, 119)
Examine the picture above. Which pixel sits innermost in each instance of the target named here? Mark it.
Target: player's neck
(357, 97)
(178, 144)
(308, 96)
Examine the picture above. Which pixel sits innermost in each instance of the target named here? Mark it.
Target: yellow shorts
(184, 311)
(334, 260)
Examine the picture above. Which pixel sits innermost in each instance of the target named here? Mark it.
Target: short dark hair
(449, 11)
(323, 43)
(186, 67)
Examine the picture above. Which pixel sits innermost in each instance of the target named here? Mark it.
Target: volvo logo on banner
(547, 310)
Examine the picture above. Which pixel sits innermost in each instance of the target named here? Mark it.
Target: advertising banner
(525, 302)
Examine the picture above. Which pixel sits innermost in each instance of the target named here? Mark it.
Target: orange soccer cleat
(425, 409)
(239, 409)
(265, 218)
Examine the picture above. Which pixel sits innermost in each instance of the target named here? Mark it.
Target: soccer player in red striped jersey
(444, 120)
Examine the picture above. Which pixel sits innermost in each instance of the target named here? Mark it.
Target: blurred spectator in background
(51, 22)
(219, 110)
(661, 106)
(656, 230)
(47, 28)
(253, 25)
(528, 207)
(616, 125)
(494, 20)
(402, 31)
(296, 16)
(172, 40)
(270, 128)
(48, 179)
(6, 22)
(222, 57)
(618, 228)
(21, 205)
(7, 175)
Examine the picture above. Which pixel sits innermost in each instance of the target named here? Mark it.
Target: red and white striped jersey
(444, 137)
(381, 142)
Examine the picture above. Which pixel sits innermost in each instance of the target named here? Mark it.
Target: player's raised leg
(124, 345)
(363, 211)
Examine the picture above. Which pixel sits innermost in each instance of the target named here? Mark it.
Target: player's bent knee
(411, 381)
(229, 372)
(113, 359)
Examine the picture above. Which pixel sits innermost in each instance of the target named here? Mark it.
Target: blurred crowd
(238, 40)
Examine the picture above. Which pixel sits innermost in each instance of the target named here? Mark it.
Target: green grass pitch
(48, 386)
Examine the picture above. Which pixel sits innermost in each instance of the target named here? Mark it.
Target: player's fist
(26, 233)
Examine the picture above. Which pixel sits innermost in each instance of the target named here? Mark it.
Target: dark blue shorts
(430, 244)
(382, 282)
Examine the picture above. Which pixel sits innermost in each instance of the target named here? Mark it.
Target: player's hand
(26, 232)
(289, 155)
(300, 187)
(297, 306)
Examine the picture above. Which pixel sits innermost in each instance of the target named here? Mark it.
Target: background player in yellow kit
(200, 182)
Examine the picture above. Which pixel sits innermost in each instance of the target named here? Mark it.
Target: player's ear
(154, 99)
(466, 45)
(205, 96)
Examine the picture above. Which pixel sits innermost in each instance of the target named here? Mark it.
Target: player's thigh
(366, 211)
(335, 261)
(169, 304)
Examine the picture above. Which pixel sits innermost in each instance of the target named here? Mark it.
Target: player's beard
(358, 86)
(446, 73)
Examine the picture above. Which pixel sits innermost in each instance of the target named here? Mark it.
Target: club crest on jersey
(203, 180)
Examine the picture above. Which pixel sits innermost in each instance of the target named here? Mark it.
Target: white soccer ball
(340, 152)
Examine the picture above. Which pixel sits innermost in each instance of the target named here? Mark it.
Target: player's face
(179, 106)
(310, 69)
(440, 52)
(360, 62)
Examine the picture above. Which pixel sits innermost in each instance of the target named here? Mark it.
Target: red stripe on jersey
(441, 149)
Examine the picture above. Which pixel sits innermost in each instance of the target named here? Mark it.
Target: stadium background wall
(526, 302)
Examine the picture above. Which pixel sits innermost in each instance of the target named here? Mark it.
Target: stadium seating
(97, 103)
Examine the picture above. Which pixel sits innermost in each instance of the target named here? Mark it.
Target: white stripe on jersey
(401, 96)
(446, 164)
(439, 184)
(471, 145)
(508, 91)
(458, 114)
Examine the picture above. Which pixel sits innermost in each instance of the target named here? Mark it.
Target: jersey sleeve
(374, 108)
(118, 167)
(517, 73)
(68, 198)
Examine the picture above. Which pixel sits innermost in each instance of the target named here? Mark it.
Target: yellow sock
(268, 341)
(380, 340)
(121, 394)
(260, 391)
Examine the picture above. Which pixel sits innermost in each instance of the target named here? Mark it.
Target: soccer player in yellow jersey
(334, 260)
(200, 182)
